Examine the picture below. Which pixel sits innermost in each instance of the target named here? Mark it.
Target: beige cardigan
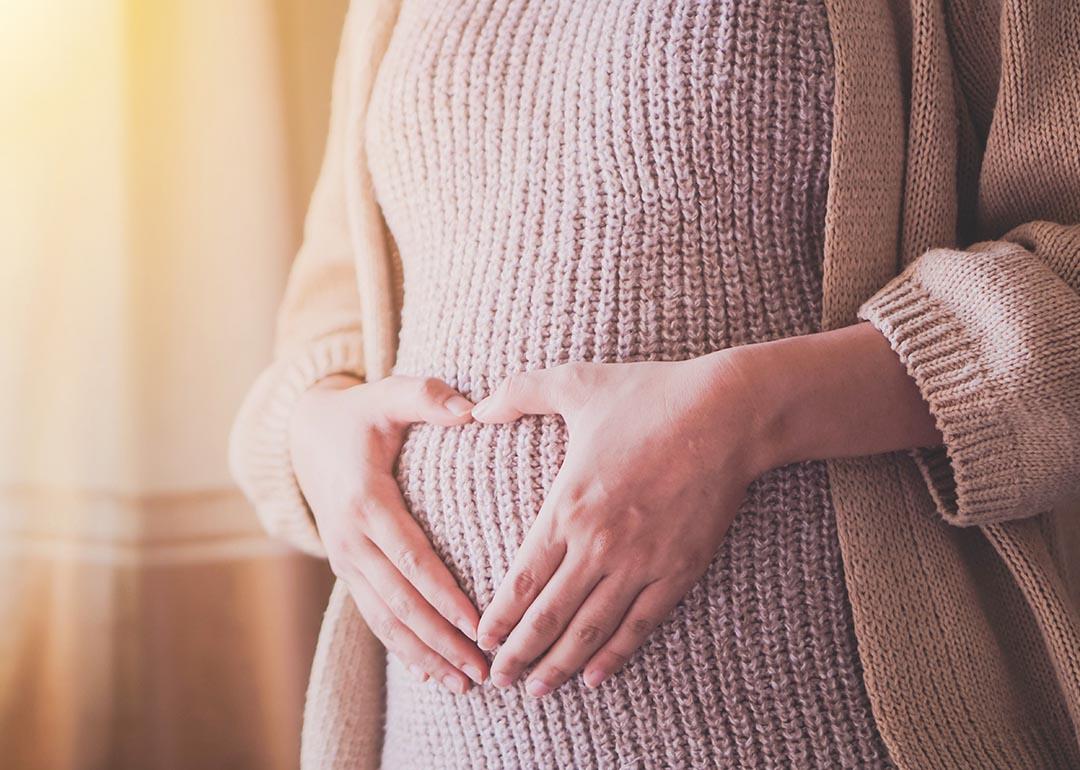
(954, 123)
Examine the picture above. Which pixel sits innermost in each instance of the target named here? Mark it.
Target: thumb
(423, 399)
(535, 392)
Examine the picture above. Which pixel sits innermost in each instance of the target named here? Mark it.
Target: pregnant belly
(475, 490)
(762, 643)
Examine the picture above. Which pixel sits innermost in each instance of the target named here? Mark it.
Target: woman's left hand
(659, 458)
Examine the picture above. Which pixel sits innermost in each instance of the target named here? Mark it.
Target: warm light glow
(148, 215)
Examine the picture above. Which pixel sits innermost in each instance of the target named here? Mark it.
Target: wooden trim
(105, 526)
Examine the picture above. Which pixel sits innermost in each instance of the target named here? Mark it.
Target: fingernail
(594, 678)
(418, 672)
(458, 405)
(467, 628)
(473, 673)
(499, 679)
(454, 684)
(482, 408)
(487, 642)
(537, 689)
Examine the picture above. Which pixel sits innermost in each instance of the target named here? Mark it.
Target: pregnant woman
(678, 384)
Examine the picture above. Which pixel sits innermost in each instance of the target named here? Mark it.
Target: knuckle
(578, 494)
(431, 662)
(514, 384)
(361, 503)
(575, 513)
(388, 629)
(431, 388)
(347, 546)
(346, 556)
(574, 379)
(401, 605)
(450, 653)
(554, 675)
(512, 663)
(524, 584)
(408, 561)
(588, 633)
(641, 625)
(603, 540)
(545, 622)
(446, 608)
(572, 372)
(585, 505)
(339, 549)
(497, 628)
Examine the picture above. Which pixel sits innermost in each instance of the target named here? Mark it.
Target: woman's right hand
(345, 437)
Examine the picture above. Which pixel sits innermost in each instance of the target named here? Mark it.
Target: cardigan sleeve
(991, 336)
(318, 334)
(991, 333)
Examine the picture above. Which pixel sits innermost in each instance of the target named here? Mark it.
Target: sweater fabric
(951, 225)
(587, 181)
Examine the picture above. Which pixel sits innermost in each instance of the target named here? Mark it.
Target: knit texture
(582, 181)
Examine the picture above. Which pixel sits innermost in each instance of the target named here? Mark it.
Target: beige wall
(155, 159)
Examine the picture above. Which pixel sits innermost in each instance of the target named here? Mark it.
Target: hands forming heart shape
(655, 468)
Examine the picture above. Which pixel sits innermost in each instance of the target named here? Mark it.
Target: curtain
(155, 161)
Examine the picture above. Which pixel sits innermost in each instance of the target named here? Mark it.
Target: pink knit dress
(617, 180)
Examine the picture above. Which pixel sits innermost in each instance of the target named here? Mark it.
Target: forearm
(841, 393)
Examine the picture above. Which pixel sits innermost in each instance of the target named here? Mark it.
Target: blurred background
(156, 157)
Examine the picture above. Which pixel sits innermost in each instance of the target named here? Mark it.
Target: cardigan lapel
(862, 229)
(862, 215)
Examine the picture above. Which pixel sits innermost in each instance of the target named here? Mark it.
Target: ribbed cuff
(974, 477)
(259, 444)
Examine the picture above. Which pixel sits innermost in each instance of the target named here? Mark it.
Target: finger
(545, 620)
(422, 661)
(404, 543)
(542, 391)
(592, 625)
(648, 610)
(414, 612)
(404, 400)
(534, 563)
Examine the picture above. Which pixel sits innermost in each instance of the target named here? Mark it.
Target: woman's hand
(659, 458)
(344, 440)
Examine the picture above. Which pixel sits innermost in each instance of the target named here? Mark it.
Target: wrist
(746, 403)
(839, 393)
(772, 390)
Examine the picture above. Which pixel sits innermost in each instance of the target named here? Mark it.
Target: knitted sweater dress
(617, 180)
